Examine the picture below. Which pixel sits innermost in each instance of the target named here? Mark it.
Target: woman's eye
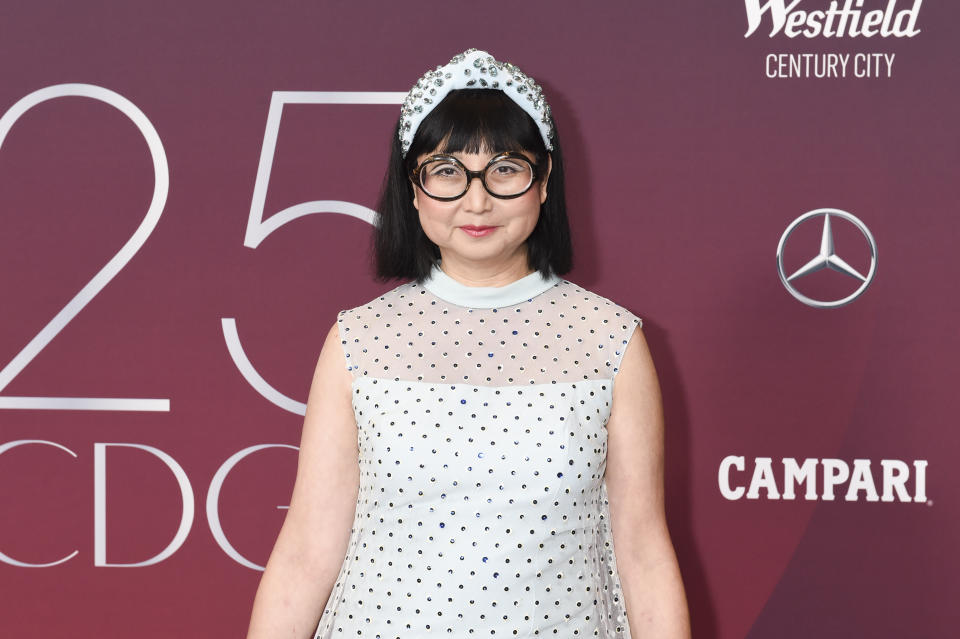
(505, 168)
(446, 170)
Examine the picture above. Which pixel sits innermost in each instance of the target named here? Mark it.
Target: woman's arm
(312, 544)
(649, 574)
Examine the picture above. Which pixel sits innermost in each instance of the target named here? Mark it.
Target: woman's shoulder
(589, 302)
(389, 303)
(599, 326)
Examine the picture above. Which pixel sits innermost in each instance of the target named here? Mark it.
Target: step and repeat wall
(186, 191)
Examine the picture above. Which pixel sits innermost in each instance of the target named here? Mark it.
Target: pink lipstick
(478, 231)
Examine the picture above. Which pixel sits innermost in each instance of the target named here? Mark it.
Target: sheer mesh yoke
(482, 446)
(565, 334)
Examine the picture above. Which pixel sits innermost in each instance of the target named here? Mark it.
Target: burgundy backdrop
(686, 163)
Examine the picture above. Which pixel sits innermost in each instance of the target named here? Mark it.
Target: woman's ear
(416, 204)
(545, 179)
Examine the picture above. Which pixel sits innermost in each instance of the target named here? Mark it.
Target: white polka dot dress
(482, 510)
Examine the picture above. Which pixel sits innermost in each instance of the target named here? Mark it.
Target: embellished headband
(473, 69)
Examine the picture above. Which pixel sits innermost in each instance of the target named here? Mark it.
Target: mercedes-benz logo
(827, 258)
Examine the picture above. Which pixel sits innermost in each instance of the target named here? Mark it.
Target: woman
(482, 451)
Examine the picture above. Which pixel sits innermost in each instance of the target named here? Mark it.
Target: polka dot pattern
(482, 438)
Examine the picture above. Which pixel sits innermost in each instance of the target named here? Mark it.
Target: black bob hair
(467, 120)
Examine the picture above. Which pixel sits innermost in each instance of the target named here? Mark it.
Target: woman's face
(479, 229)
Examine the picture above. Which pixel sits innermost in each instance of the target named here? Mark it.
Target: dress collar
(450, 290)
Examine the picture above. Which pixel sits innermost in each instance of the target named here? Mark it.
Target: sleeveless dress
(482, 509)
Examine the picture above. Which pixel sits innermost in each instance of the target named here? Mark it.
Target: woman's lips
(478, 231)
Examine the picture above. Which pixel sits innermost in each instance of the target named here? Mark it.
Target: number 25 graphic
(257, 230)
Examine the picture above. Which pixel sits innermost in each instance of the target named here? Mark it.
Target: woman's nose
(476, 199)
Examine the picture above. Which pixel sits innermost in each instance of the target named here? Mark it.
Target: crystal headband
(473, 69)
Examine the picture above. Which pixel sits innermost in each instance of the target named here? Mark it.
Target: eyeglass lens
(445, 178)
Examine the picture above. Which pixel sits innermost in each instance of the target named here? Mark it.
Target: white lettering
(763, 478)
(895, 473)
(868, 65)
(778, 13)
(187, 497)
(910, 28)
(835, 472)
(920, 483)
(870, 21)
(799, 475)
(861, 479)
(836, 475)
(835, 22)
(795, 21)
(7, 559)
(723, 477)
(808, 65)
(771, 68)
(814, 24)
(213, 503)
(100, 505)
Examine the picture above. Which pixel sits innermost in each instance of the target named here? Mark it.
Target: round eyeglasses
(444, 177)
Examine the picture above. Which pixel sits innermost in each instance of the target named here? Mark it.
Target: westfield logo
(851, 19)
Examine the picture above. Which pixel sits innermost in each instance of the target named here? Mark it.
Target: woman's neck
(474, 274)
